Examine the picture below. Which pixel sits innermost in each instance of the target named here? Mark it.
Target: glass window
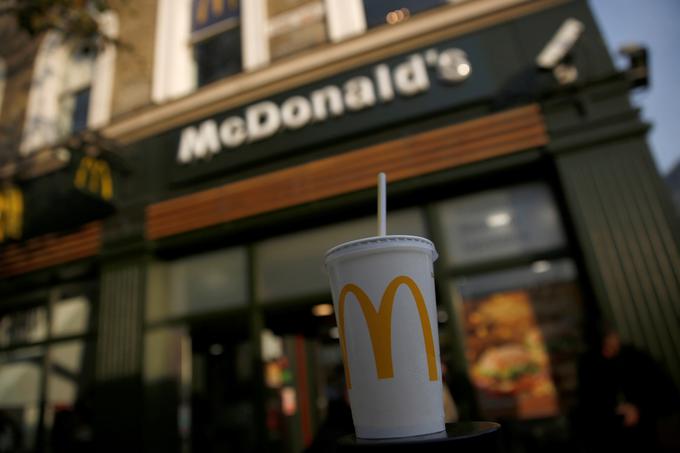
(500, 224)
(81, 101)
(223, 389)
(198, 284)
(65, 367)
(20, 376)
(25, 326)
(74, 101)
(168, 359)
(381, 12)
(71, 316)
(292, 265)
(69, 398)
(295, 25)
(216, 38)
(522, 338)
(31, 400)
(163, 353)
(219, 56)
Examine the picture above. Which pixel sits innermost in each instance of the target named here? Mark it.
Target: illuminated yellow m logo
(11, 213)
(94, 176)
(380, 326)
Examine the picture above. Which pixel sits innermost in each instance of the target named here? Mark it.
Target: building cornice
(319, 63)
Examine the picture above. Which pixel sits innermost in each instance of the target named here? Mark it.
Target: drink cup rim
(380, 243)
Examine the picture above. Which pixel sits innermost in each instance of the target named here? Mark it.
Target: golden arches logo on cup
(379, 323)
(385, 306)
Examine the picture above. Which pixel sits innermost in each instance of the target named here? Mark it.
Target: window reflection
(74, 100)
(23, 326)
(500, 224)
(218, 56)
(208, 281)
(292, 265)
(196, 284)
(71, 316)
(216, 39)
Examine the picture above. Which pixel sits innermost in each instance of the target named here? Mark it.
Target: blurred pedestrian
(450, 408)
(10, 434)
(623, 395)
(72, 431)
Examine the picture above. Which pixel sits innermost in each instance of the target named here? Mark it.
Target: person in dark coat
(623, 394)
(10, 434)
(72, 431)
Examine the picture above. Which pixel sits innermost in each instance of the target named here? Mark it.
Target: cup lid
(377, 243)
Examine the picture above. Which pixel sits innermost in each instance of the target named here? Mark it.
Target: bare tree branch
(75, 19)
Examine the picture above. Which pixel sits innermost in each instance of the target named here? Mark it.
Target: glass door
(305, 389)
(223, 388)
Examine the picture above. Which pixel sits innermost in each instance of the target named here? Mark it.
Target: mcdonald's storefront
(199, 308)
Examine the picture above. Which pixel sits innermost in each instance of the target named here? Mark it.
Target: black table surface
(459, 438)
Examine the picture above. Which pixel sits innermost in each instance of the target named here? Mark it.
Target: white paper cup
(384, 300)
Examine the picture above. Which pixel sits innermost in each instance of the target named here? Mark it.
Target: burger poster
(507, 357)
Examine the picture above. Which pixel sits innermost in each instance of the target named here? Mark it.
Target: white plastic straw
(382, 209)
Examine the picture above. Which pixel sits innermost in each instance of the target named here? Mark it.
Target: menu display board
(508, 358)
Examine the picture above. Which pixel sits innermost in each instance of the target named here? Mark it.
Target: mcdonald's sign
(94, 176)
(11, 213)
(379, 323)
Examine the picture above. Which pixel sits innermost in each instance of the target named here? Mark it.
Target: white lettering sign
(264, 119)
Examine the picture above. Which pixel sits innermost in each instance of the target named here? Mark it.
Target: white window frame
(346, 19)
(41, 127)
(101, 97)
(175, 75)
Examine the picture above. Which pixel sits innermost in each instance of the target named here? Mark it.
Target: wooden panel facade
(50, 250)
(491, 136)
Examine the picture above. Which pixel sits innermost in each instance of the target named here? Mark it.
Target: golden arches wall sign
(11, 213)
(94, 175)
(380, 326)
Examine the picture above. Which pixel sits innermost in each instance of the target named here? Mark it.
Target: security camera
(560, 44)
(638, 71)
